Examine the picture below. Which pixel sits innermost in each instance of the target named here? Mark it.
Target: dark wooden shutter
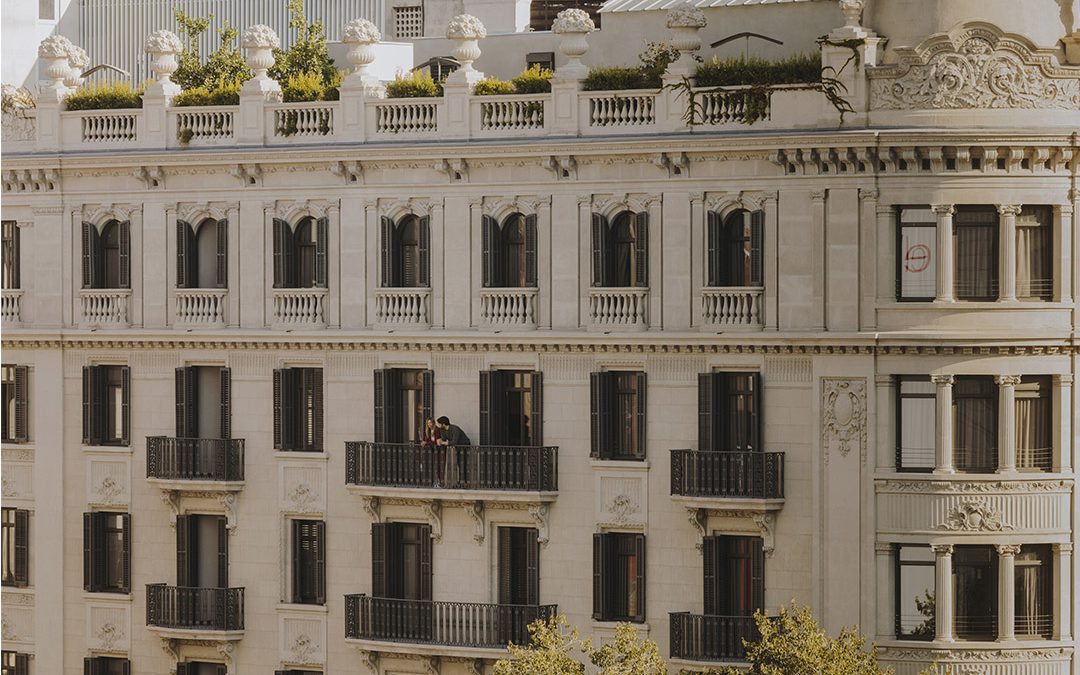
(380, 405)
(531, 237)
(706, 396)
(427, 381)
(536, 423)
(186, 381)
(225, 376)
(16, 254)
(221, 274)
(87, 405)
(125, 581)
(641, 249)
(378, 559)
(710, 557)
(88, 551)
(283, 245)
(183, 566)
(299, 542)
(181, 669)
(22, 397)
(425, 251)
(91, 255)
(386, 248)
(756, 416)
(186, 251)
(223, 552)
(315, 384)
(641, 381)
(22, 547)
(125, 667)
(486, 417)
(599, 250)
(22, 664)
(279, 376)
(532, 566)
(506, 563)
(98, 549)
(600, 406)
(489, 234)
(322, 232)
(124, 232)
(125, 404)
(425, 562)
(320, 562)
(757, 240)
(599, 602)
(90, 666)
(712, 260)
(285, 411)
(757, 572)
(639, 551)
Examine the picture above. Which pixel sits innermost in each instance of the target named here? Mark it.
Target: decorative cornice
(890, 485)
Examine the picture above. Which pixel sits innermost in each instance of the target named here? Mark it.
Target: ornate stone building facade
(704, 370)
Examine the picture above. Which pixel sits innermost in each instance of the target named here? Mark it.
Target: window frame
(1045, 564)
(98, 408)
(958, 395)
(1046, 226)
(990, 568)
(16, 412)
(972, 211)
(898, 382)
(898, 591)
(299, 409)
(96, 553)
(103, 665)
(606, 418)
(717, 392)
(609, 578)
(900, 252)
(11, 250)
(308, 569)
(15, 537)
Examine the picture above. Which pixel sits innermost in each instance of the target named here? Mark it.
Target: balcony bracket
(476, 512)
(370, 659)
(539, 513)
(472, 666)
(171, 496)
(699, 519)
(225, 649)
(372, 506)
(431, 665)
(765, 521)
(433, 511)
(169, 645)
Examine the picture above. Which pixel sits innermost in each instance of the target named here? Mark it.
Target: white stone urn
(163, 46)
(54, 51)
(573, 25)
(259, 42)
(685, 20)
(466, 31)
(852, 10)
(361, 36)
(78, 60)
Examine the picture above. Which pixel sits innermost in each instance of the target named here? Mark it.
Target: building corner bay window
(106, 255)
(509, 251)
(975, 253)
(405, 252)
(620, 250)
(916, 254)
(300, 253)
(202, 254)
(735, 248)
(1033, 608)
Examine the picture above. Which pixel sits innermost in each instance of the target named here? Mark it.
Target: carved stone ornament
(843, 410)
(162, 42)
(303, 649)
(974, 515)
(302, 498)
(108, 490)
(621, 507)
(360, 31)
(108, 635)
(260, 36)
(573, 20)
(975, 65)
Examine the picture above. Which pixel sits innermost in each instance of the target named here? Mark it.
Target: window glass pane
(1034, 253)
(918, 254)
(114, 404)
(915, 592)
(975, 250)
(917, 424)
(8, 545)
(9, 403)
(975, 424)
(1034, 588)
(625, 414)
(1034, 417)
(10, 253)
(114, 551)
(975, 592)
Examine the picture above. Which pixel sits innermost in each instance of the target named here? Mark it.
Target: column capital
(885, 210)
(884, 380)
(1063, 209)
(1007, 549)
(1064, 378)
(942, 549)
(697, 197)
(817, 195)
(942, 379)
(1007, 380)
(1009, 209)
(883, 548)
(943, 209)
(868, 194)
(584, 200)
(1063, 548)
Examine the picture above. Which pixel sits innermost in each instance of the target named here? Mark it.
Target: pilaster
(943, 441)
(1007, 422)
(817, 211)
(1007, 591)
(1007, 250)
(1063, 600)
(943, 593)
(944, 214)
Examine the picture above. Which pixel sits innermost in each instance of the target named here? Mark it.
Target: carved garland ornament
(843, 406)
(974, 515)
(974, 66)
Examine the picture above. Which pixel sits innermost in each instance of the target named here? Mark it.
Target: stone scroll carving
(974, 515)
(843, 415)
(975, 65)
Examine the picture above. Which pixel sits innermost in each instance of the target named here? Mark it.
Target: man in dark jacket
(456, 443)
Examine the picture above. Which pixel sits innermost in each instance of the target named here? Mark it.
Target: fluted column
(943, 462)
(1007, 591)
(1064, 423)
(944, 214)
(1063, 227)
(817, 210)
(943, 593)
(1007, 250)
(885, 585)
(886, 251)
(886, 414)
(1007, 421)
(1063, 599)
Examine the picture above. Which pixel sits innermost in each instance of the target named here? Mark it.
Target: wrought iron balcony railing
(477, 467)
(740, 475)
(185, 608)
(452, 624)
(202, 459)
(708, 637)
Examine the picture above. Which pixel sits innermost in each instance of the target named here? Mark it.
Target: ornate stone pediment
(975, 65)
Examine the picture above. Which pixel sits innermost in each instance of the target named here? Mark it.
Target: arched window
(734, 248)
(202, 254)
(405, 249)
(106, 261)
(510, 251)
(620, 250)
(300, 253)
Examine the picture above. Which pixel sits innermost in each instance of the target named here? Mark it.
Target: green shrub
(303, 87)
(222, 93)
(615, 77)
(104, 96)
(535, 80)
(415, 85)
(493, 86)
(797, 69)
(308, 53)
(225, 63)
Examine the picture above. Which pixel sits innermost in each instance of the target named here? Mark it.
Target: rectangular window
(203, 402)
(106, 665)
(16, 547)
(404, 401)
(401, 561)
(545, 60)
(293, 671)
(975, 424)
(1034, 418)
(511, 405)
(519, 566)
(106, 404)
(201, 668)
(202, 551)
(729, 412)
(1035, 253)
(15, 393)
(915, 588)
(10, 250)
(735, 249)
(916, 423)
(975, 253)
(1034, 592)
(309, 562)
(619, 577)
(975, 591)
(409, 22)
(734, 582)
(618, 415)
(14, 663)
(916, 255)
(298, 409)
(107, 552)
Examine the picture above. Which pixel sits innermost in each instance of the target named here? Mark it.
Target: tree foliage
(308, 54)
(794, 644)
(223, 68)
(550, 652)
(627, 655)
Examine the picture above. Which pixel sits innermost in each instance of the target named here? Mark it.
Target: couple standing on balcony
(444, 439)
